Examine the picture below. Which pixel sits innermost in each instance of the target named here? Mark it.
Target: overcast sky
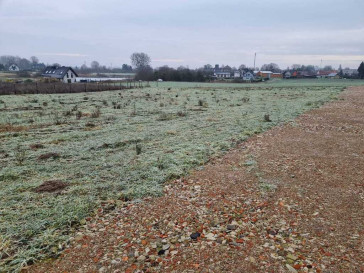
(185, 32)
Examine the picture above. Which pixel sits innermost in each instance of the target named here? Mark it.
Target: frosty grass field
(122, 145)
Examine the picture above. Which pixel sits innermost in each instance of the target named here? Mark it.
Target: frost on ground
(220, 219)
(119, 145)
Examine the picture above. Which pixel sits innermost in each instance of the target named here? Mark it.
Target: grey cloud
(187, 32)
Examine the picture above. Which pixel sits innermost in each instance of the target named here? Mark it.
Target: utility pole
(255, 57)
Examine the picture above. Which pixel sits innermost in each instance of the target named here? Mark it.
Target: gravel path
(288, 200)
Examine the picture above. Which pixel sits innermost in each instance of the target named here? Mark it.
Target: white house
(14, 68)
(64, 74)
(223, 72)
(248, 76)
(237, 74)
(222, 75)
(287, 74)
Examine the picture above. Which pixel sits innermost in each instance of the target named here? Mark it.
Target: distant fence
(61, 88)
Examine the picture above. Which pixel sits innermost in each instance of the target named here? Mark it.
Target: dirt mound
(36, 146)
(51, 186)
(48, 155)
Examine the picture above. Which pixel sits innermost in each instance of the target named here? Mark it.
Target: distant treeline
(181, 74)
(33, 64)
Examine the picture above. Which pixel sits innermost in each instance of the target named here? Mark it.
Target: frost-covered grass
(270, 83)
(119, 145)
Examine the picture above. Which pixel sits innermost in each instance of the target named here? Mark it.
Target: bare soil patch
(51, 186)
(48, 156)
(288, 200)
(36, 146)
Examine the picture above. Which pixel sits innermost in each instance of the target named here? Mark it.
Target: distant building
(237, 74)
(264, 74)
(248, 76)
(223, 72)
(277, 75)
(306, 74)
(332, 75)
(326, 74)
(14, 68)
(64, 73)
(287, 75)
(347, 72)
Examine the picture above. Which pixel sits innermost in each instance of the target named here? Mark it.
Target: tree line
(22, 63)
(141, 65)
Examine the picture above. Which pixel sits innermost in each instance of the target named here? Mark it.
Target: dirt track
(288, 200)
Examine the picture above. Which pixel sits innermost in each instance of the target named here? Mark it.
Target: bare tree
(84, 67)
(95, 65)
(140, 60)
(271, 67)
(9, 59)
(34, 60)
(24, 64)
(207, 67)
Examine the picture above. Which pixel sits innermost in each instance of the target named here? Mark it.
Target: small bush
(267, 118)
(9, 176)
(78, 115)
(20, 155)
(57, 120)
(68, 113)
(90, 124)
(181, 113)
(202, 103)
(36, 146)
(165, 116)
(96, 113)
(138, 148)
